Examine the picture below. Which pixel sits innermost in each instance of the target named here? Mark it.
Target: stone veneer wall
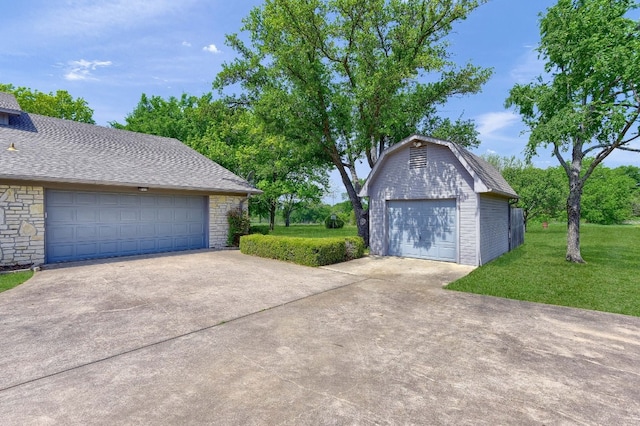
(219, 205)
(21, 225)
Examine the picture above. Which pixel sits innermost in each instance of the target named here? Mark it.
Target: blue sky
(109, 52)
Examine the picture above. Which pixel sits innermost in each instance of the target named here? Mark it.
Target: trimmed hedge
(354, 248)
(303, 251)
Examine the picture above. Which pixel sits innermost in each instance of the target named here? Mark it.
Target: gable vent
(417, 157)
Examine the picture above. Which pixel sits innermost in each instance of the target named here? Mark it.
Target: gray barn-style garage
(74, 191)
(432, 199)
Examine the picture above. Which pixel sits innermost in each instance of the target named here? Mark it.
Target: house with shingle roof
(72, 191)
(433, 199)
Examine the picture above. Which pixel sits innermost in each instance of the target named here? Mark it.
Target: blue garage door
(424, 229)
(89, 225)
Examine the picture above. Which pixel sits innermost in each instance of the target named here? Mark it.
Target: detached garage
(74, 191)
(432, 199)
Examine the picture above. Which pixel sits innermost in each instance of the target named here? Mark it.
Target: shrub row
(303, 251)
(259, 229)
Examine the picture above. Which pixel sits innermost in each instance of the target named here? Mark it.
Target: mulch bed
(10, 268)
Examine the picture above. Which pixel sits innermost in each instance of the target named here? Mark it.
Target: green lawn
(8, 281)
(537, 271)
(315, 231)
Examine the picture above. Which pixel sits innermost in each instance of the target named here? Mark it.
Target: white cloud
(186, 44)
(91, 17)
(528, 67)
(211, 48)
(492, 122)
(83, 69)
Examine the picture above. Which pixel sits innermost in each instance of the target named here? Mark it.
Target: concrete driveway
(222, 338)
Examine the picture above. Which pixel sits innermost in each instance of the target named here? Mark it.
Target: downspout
(478, 229)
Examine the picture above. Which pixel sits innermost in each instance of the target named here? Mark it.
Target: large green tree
(352, 76)
(184, 118)
(59, 104)
(238, 140)
(285, 172)
(608, 196)
(540, 191)
(588, 102)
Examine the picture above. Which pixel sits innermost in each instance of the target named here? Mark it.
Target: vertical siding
(442, 177)
(494, 227)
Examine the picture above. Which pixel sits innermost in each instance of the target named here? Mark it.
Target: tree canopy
(185, 118)
(288, 174)
(60, 104)
(352, 77)
(588, 102)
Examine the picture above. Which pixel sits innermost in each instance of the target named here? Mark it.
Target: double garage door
(89, 225)
(425, 229)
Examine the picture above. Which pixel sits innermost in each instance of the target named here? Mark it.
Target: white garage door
(89, 225)
(425, 229)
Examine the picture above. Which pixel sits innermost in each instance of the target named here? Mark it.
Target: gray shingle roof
(491, 180)
(9, 104)
(56, 150)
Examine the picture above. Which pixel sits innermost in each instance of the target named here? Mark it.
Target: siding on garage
(494, 227)
(21, 225)
(436, 175)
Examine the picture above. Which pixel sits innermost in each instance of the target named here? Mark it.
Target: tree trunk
(573, 218)
(287, 217)
(272, 215)
(362, 215)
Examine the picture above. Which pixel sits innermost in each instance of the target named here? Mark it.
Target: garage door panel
(129, 214)
(195, 215)
(196, 228)
(180, 229)
(121, 224)
(108, 232)
(165, 244)
(129, 231)
(61, 214)
(165, 201)
(148, 214)
(62, 251)
(165, 215)
(423, 229)
(61, 234)
(148, 245)
(109, 215)
(87, 214)
(87, 249)
(109, 248)
(86, 198)
(147, 230)
(130, 246)
(181, 242)
(181, 214)
(108, 199)
(128, 200)
(61, 198)
(85, 233)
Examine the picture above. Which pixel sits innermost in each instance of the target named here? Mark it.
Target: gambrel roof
(486, 178)
(55, 150)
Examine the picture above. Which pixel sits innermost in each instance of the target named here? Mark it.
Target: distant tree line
(610, 196)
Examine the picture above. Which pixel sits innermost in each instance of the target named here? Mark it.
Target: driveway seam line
(169, 339)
